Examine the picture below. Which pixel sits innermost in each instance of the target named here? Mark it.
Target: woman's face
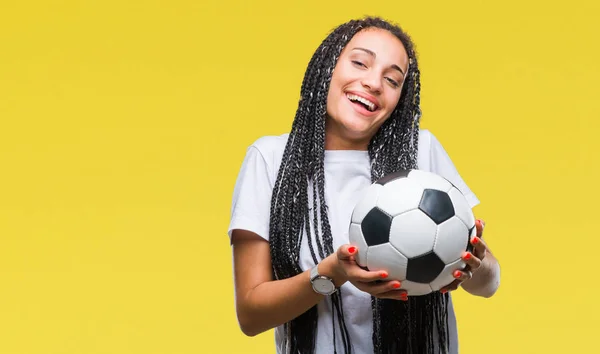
(364, 89)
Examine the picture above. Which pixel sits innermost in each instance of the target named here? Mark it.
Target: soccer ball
(415, 225)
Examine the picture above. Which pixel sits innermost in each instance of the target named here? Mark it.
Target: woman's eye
(356, 62)
(391, 81)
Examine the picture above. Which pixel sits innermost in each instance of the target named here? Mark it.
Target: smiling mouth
(368, 105)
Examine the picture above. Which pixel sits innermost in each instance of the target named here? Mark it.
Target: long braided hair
(412, 326)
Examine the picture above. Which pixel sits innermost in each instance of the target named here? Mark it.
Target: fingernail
(475, 240)
(396, 285)
(351, 249)
(457, 274)
(404, 297)
(466, 256)
(383, 274)
(443, 291)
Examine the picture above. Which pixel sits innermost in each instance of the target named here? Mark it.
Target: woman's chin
(352, 129)
(358, 130)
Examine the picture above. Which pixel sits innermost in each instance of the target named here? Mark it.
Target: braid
(398, 326)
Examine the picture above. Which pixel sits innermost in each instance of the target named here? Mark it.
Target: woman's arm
(263, 303)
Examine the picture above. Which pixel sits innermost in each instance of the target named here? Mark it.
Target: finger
(451, 287)
(479, 247)
(378, 288)
(344, 252)
(479, 225)
(462, 275)
(472, 262)
(356, 273)
(394, 295)
(458, 274)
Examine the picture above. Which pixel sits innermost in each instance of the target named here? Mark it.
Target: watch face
(323, 286)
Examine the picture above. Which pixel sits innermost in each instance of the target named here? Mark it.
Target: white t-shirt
(347, 174)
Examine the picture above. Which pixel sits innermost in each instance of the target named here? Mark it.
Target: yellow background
(124, 124)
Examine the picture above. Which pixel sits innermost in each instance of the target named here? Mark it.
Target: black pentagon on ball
(425, 268)
(376, 227)
(437, 205)
(469, 245)
(392, 176)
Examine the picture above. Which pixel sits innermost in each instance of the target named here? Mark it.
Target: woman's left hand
(472, 259)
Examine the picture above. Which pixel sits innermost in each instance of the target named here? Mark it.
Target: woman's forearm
(273, 303)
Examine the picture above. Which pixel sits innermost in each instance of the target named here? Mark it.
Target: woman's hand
(472, 259)
(344, 268)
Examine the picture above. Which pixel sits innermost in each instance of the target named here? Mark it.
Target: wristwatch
(321, 284)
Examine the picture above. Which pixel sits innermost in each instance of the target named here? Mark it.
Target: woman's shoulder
(428, 151)
(270, 144)
(270, 148)
(425, 139)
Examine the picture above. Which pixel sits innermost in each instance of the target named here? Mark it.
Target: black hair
(418, 325)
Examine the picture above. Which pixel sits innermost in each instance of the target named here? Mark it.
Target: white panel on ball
(461, 207)
(413, 233)
(399, 196)
(386, 257)
(415, 289)
(447, 275)
(357, 239)
(430, 180)
(366, 203)
(451, 240)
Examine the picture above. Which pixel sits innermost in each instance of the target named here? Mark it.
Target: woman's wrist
(330, 267)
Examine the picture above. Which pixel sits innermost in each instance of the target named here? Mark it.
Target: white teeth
(368, 103)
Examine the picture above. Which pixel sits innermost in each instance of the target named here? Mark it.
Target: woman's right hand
(344, 268)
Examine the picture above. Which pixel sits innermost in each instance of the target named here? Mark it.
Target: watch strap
(314, 272)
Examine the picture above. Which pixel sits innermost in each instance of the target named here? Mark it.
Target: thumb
(347, 252)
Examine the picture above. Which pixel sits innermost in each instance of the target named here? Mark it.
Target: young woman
(357, 120)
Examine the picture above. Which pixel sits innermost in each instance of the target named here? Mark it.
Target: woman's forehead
(382, 43)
